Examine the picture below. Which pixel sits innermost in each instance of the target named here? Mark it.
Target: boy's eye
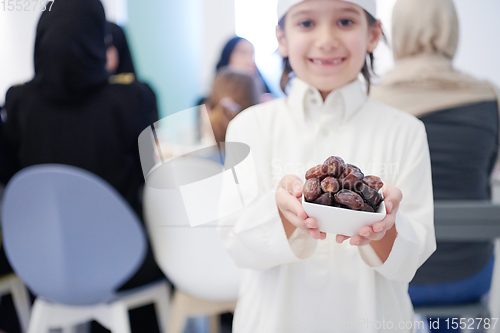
(345, 22)
(306, 24)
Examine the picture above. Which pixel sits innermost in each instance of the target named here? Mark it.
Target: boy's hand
(292, 213)
(392, 198)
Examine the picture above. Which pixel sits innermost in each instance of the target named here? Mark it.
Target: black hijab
(119, 40)
(227, 51)
(70, 52)
(226, 56)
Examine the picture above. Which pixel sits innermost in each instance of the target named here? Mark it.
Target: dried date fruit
(367, 208)
(349, 198)
(316, 172)
(330, 185)
(350, 168)
(374, 182)
(334, 166)
(337, 184)
(352, 179)
(371, 197)
(312, 189)
(325, 199)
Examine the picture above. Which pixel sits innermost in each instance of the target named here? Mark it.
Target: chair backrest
(69, 235)
(466, 221)
(193, 258)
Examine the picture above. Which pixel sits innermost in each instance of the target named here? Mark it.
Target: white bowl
(342, 221)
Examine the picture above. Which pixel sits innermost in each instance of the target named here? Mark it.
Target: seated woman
(461, 117)
(119, 58)
(73, 112)
(239, 55)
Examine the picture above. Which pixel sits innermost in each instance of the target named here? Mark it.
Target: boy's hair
(287, 69)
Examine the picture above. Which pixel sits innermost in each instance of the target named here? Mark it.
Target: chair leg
(214, 324)
(156, 293)
(178, 313)
(38, 319)
(161, 308)
(121, 321)
(83, 328)
(22, 303)
(69, 329)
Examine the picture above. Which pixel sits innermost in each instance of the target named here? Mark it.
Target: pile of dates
(335, 183)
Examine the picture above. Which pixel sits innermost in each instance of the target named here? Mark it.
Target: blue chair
(74, 240)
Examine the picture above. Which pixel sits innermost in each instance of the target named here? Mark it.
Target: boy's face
(326, 42)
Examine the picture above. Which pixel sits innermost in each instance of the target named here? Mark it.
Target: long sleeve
(254, 236)
(286, 279)
(415, 218)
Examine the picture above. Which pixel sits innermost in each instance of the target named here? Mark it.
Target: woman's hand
(379, 230)
(290, 208)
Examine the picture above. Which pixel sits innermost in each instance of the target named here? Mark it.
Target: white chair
(74, 240)
(11, 284)
(205, 276)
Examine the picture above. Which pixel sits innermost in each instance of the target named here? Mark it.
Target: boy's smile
(326, 42)
(327, 61)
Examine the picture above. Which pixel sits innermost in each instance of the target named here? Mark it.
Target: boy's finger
(377, 236)
(292, 184)
(366, 231)
(392, 198)
(364, 241)
(355, 240)
(315, 233)
(289, 203)
(388, 206)
(297, 189)
(295, 220)
(311, 223)
(378, 226)
(391, 206)
(341, 238)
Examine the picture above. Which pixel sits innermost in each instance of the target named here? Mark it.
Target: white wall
(116, 10)
(477, 54)
(218, 28)
(17, 41)
(479, 44)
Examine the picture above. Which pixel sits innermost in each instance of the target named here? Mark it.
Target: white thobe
(302, 285)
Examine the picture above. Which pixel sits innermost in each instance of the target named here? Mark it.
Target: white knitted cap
(369, 5)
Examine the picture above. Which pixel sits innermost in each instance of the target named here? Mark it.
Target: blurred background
(176, 44)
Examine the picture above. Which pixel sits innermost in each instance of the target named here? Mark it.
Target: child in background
(296, 278)
(231, 92)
